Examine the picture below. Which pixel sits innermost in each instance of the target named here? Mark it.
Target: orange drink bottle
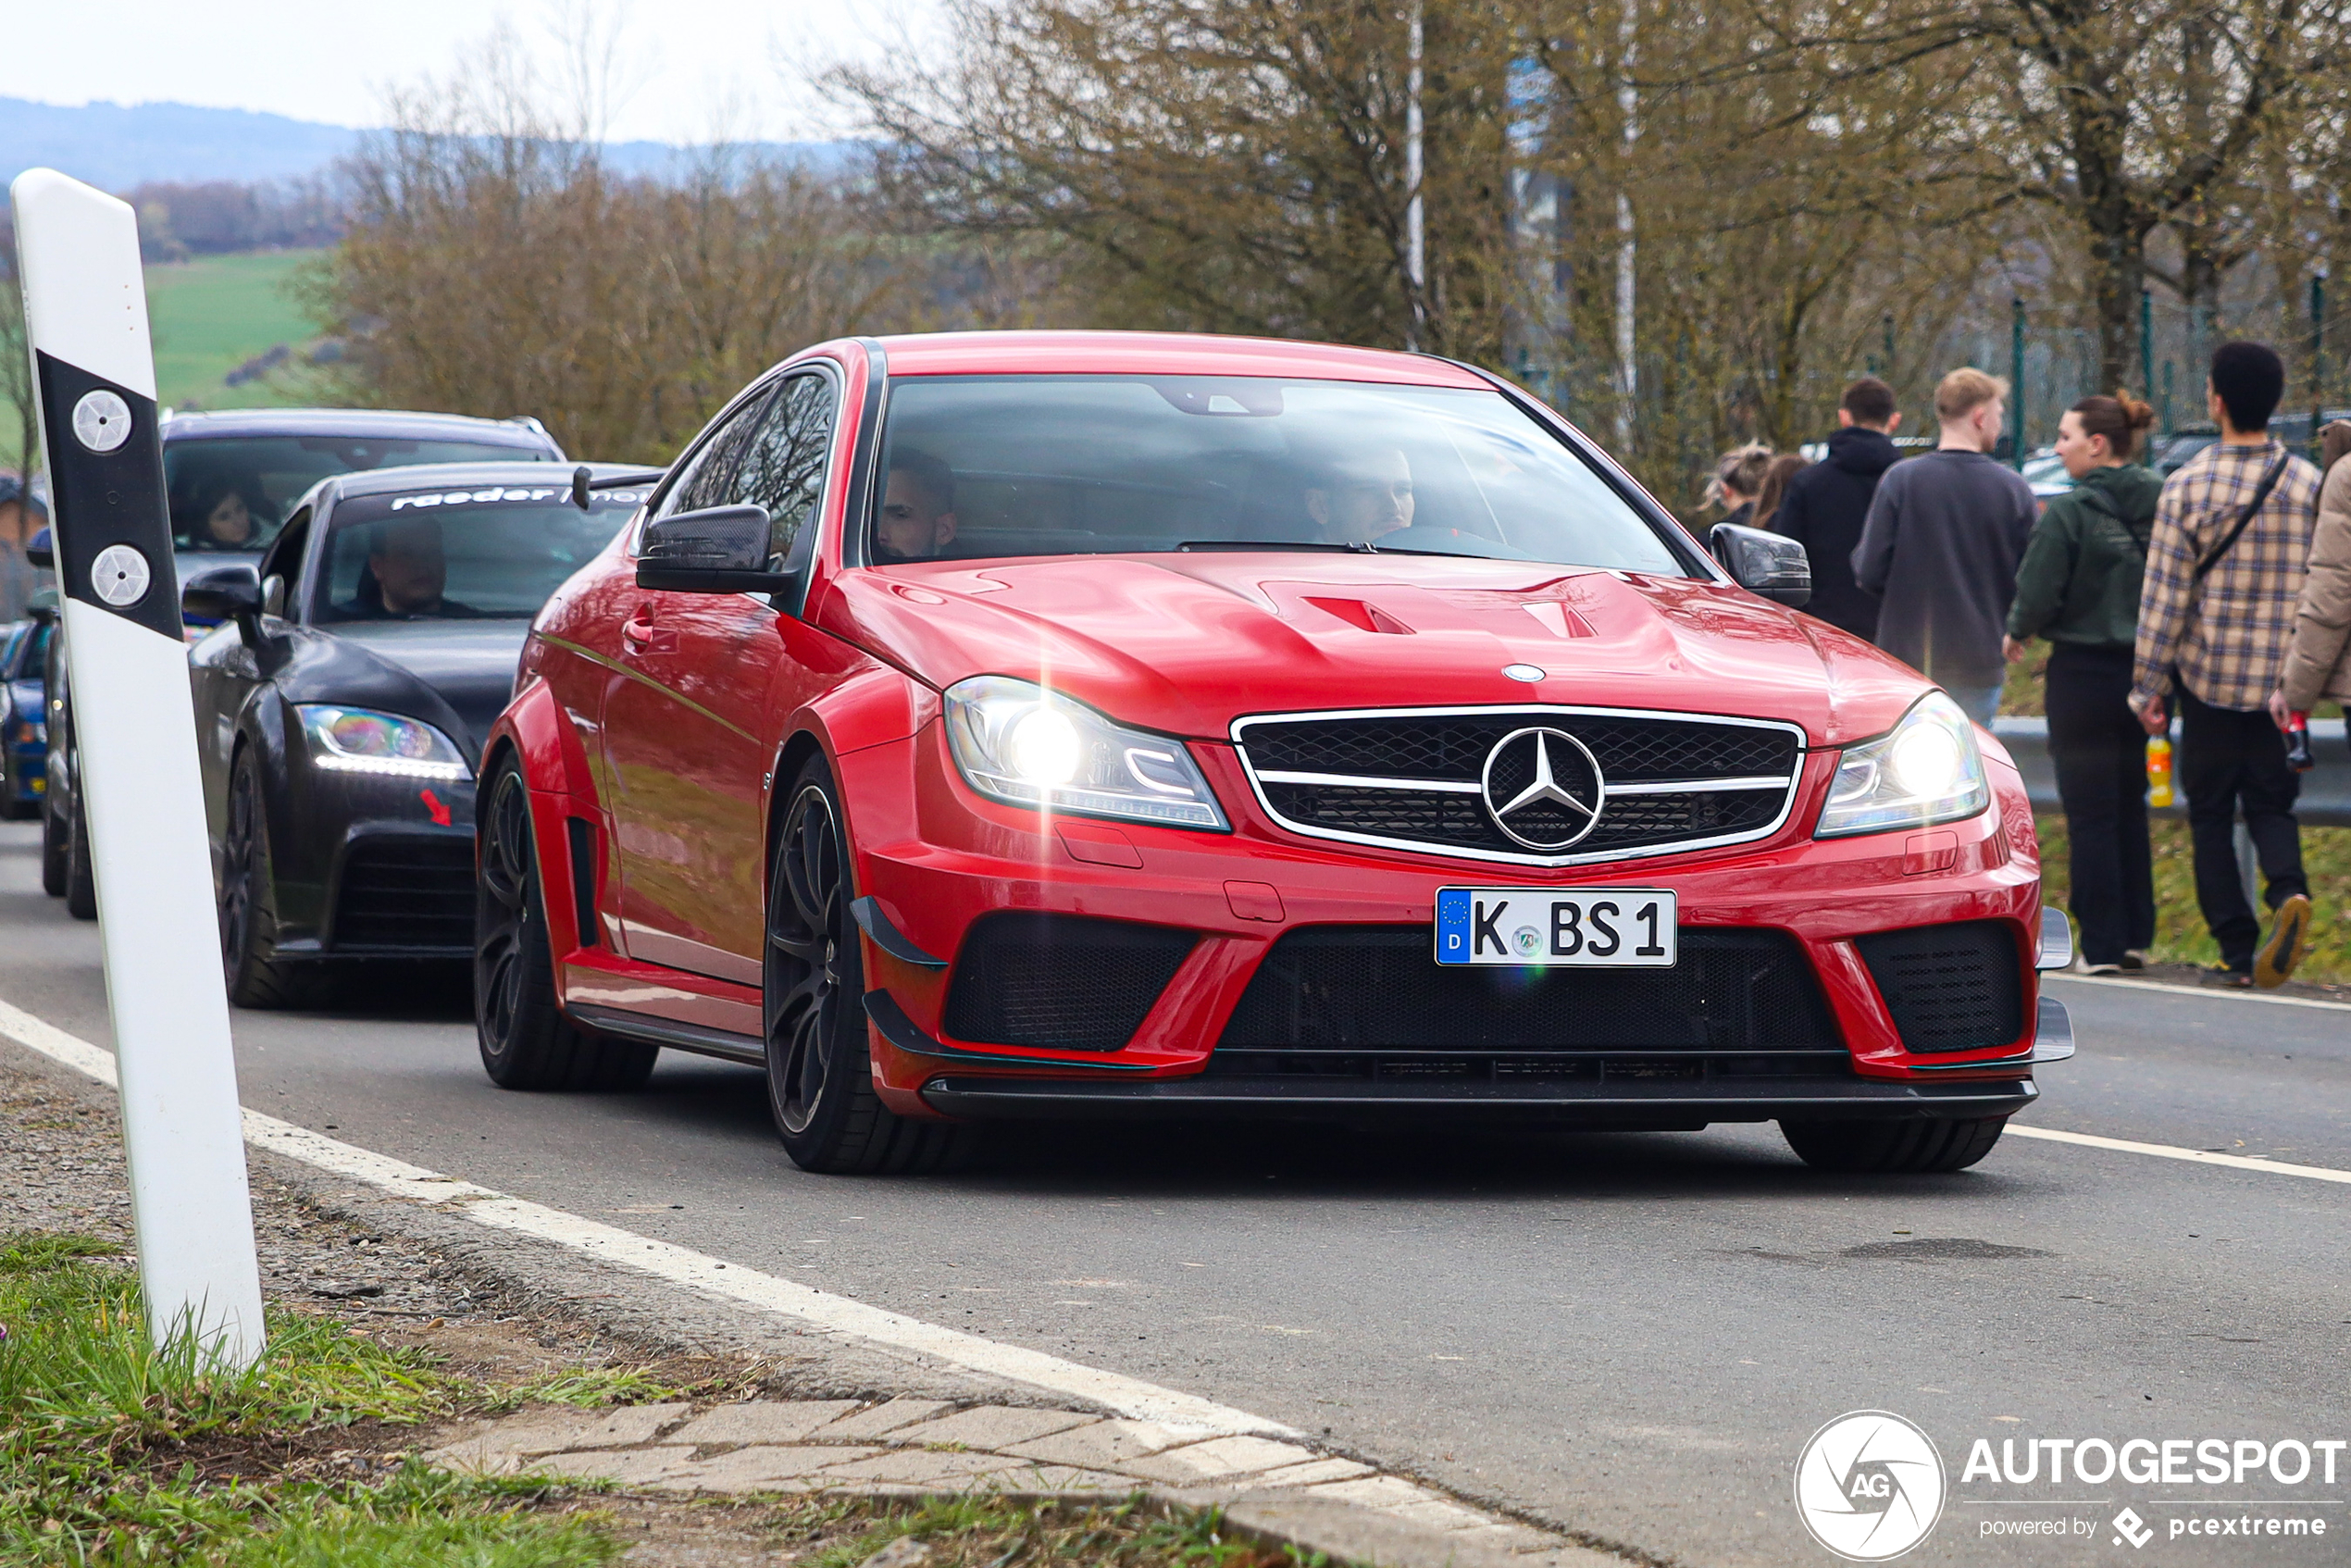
(2158, 770)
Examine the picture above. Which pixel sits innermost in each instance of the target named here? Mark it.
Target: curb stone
(1281, 1493)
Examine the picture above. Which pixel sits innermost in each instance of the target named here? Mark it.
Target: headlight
(1021, 744)
(1926, 769)
(362, 741)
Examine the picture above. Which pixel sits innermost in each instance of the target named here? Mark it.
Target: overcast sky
(329, 59)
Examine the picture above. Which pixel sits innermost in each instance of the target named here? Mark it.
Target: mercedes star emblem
(1543, 788)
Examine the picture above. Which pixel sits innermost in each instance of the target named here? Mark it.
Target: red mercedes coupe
(1016, 725)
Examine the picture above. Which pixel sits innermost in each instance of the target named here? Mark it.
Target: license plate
(1589, 928)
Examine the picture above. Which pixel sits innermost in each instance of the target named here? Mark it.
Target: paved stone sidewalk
(903, 1446)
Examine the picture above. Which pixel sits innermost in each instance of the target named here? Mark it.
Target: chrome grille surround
(1433, 802)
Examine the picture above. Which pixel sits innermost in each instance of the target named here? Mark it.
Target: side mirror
(273, 595)
(226, 594)
(716, 550)
(1762, 562)
(41, 550)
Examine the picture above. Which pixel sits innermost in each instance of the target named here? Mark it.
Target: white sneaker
(2083, 966)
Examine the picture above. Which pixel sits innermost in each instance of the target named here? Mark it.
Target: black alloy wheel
(820, 1083)
(81, 883)
(254, 976)
(527, 1042)
(1888, 1147)
(53, 850)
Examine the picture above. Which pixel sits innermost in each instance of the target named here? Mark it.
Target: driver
(1363, 495)
(406, 560)
(917, 517)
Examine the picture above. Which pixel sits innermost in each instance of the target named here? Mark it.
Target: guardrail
(2326, 789)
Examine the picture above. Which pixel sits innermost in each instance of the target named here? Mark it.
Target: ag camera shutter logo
(1869, 1486)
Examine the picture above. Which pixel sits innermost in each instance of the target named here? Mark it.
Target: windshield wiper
(1191, 545)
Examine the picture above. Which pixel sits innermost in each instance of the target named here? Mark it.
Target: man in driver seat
(407, 573)
(917, 518)
(1363, 495)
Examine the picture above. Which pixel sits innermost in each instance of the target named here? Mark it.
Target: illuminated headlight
(1926, 769)
(362, 741)
(1017, 742)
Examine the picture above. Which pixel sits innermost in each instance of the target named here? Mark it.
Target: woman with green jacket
(2078, 586)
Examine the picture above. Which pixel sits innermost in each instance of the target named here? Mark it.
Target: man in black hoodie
(1826, 503)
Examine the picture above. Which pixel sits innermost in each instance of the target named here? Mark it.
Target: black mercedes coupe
(342, 702)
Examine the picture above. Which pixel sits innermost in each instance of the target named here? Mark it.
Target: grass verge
(114, 1453)
(980, 1531)
(2180, 933)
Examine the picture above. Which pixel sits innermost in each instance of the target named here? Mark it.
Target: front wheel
(255, 977)
(820, 1074)
(82, 885)
(53, 851)
(525, 1041)
(1892, 1147)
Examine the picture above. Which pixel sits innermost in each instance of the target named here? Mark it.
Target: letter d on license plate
(1588, 929)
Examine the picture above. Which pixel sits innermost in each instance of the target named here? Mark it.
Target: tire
(82, 888)
(527, 1043)
(248, 906)
(1890, 1147)
(53, 853)
(820, 1077)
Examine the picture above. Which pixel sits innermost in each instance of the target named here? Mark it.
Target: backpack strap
(2268, 484)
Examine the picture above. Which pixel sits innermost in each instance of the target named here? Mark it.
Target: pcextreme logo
(1869, 1486)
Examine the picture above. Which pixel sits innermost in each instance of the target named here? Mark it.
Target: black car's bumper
(366, 869)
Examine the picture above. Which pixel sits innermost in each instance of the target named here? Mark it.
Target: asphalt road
(1631, 1334)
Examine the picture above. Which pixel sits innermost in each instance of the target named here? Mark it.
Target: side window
(783, 469)
(704, 482)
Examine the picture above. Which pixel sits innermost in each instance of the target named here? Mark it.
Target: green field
(211, 314)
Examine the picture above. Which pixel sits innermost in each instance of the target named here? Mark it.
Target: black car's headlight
(1017, 742)
(363, 740)
(1926, 769)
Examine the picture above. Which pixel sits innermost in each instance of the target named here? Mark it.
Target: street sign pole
(136, 733)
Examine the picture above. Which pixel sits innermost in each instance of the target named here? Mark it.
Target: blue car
(24, 731)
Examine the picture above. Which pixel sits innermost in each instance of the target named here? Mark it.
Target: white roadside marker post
(135, 731)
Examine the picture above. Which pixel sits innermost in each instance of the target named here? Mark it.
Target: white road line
(680, 1266)
(2166, 1151)
(2164, 988)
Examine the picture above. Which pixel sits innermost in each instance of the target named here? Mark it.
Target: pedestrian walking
(2079, 587)
(1941, 545)
(2318, 661)
(1738, 475)
(1773, 492)
(1827, 501)
(2224, 575)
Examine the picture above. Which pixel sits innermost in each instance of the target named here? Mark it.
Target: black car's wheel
(525, 1041)
(1892, 1147)
(248, 906)
(820, 1082)
(82, 888)
(53, 851)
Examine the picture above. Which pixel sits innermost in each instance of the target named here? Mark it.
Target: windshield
(492, 554)
(233, 494)
(998, 465)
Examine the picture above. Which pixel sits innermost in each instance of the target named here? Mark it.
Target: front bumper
(372, 866)
(935, 858)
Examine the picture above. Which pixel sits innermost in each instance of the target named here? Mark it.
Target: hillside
(215, 314)
(116, 146)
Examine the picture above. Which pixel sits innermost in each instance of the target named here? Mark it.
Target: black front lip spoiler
(981, 1099)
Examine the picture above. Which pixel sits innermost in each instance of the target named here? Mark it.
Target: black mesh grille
(402, 892)
(1950, 988)
(1380, 989)
(1062, 982)
(1453, 748)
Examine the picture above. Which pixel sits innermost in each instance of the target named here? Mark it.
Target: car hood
(1187, 643)
(454, 675)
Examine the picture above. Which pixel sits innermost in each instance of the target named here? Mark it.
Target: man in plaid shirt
(2219, 616)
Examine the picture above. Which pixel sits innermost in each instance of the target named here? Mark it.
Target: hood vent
(1557, 619)
(1363, 616)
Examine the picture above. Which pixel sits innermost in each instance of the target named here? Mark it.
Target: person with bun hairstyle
(2078, 586)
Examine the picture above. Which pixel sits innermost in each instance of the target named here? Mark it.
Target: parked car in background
(1034, 725)
(230, 479)
(342, 703)
(2167, 454)
(2044, 471)
(24, 730)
